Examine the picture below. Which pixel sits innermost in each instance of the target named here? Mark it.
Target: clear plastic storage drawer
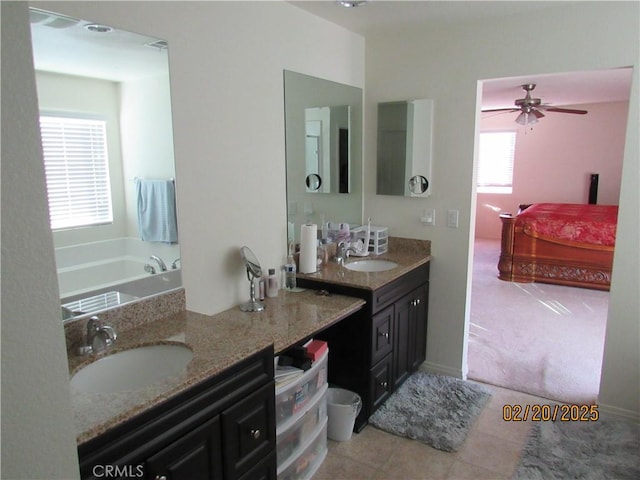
(291, 438)
(292, 398)
(304, 465)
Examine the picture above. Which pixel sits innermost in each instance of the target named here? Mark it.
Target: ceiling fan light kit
(531, 108)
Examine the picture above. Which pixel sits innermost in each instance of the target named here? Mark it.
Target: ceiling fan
(531, 108)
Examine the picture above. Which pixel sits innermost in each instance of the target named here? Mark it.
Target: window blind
(495, 169)
(77, 171)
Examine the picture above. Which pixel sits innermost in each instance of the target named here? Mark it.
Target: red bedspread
(571, 223)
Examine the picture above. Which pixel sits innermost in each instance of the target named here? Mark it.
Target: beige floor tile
(466, 471)
(339, 467)
(415, 460)
(492, 421)
(371, 446)
(490, 452)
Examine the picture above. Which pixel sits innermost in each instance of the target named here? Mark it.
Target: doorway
(537, 338)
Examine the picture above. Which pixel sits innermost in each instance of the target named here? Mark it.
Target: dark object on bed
(559, 243)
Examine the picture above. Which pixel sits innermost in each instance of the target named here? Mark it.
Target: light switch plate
(452, 218)
(429, 217)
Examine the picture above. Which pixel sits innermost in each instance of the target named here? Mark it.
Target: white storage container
(293, 398)
(295, 434)
(378, 242)
(306, 463)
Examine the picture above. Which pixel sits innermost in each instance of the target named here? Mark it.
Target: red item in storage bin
(316, 349)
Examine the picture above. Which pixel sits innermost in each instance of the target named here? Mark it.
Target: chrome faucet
(174, 265)
(160, 263)
(99, 337)
(342, 253)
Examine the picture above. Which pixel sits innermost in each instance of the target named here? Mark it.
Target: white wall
(38, 438)
(445, 63)
(554, 160)
(227, 61)
(147, 137)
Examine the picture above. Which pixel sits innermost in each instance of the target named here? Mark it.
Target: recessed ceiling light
(96, 28)
(352, 3)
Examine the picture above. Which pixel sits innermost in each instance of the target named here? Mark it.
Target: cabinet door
(404, 346)
(419, 327)
(381, 382)
(382, 335)
(195, 456)
(249, 432)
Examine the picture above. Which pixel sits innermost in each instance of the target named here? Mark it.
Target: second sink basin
(132, 369)
(371, 265)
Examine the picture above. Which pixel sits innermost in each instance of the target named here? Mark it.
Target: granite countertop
(221, 340)
(218, 341)
(407, 253)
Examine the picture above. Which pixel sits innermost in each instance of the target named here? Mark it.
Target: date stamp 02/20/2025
(550, 413)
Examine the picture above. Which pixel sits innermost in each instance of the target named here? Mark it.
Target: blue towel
(157, 210)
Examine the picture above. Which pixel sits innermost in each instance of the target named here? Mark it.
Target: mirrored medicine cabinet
(405, 135)
(84, 69)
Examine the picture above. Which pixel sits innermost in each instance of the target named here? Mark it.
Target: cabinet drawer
(391, 292)
(382, 335)
(248, 431)
(381, 382)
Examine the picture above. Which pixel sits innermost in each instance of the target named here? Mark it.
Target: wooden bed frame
(526, 259)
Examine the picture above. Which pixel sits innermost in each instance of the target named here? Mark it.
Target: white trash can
(343, 406)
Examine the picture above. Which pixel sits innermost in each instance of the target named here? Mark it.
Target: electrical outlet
(452, 218)
(429, 217)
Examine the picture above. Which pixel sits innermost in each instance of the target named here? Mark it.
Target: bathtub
(116, 265)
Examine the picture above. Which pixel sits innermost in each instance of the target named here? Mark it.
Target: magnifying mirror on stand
(253, 271)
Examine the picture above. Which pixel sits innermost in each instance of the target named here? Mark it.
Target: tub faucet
(342, 253)
(161, 264)
(99, 336)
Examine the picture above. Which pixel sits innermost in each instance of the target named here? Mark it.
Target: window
(495, 168)
(77, 171)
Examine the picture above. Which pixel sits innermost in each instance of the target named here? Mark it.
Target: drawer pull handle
(161, 477)
(255, 434)
(384, 384)
(384, 334)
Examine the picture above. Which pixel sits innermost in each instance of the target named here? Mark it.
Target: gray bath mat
(434, 409)
(585, 450)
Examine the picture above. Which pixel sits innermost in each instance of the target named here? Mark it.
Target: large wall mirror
(405, 131)
(105, 115)
(324, 152)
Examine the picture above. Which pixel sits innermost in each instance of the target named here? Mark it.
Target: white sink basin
(371, 265)
(132, 369)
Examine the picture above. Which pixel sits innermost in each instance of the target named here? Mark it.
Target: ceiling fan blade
(564, 110)
(502, 110)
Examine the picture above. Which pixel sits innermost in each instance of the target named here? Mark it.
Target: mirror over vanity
(405, 131)
(323, 121)
(107, 88)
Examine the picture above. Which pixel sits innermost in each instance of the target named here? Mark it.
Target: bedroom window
(77, 171)
(495, 165)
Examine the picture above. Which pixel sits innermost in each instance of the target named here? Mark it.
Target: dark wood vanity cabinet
(223, 428)
(375, 350)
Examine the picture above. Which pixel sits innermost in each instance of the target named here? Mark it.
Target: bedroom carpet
(584, 450)
(435, 409)
(546, 340)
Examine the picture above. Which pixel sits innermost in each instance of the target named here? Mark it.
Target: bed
(559, 243)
